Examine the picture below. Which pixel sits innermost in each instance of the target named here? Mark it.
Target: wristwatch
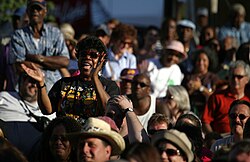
(201, 88)
(128, 109)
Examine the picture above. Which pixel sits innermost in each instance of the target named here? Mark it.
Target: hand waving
(34, 72)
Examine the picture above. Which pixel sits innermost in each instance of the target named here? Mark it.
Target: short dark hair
(237, 102)
(91, 42)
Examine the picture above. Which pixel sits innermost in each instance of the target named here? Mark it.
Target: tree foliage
(7, 8)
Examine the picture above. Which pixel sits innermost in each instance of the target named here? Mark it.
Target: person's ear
(108, 150)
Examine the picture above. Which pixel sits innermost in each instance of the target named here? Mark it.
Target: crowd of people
(176, 93)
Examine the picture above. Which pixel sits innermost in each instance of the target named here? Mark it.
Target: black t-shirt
(73, 97)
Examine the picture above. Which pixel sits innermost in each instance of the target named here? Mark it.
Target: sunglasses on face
(142, 85)
(153, 131)
(62, 138)
(92, 54)
(239, 77)
(234, 116)
(169, 152)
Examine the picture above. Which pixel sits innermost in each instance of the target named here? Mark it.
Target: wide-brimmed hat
(177, 46)
(98, 128)
(41, 3)
(128, 73)
(176, 137)
(68, 33)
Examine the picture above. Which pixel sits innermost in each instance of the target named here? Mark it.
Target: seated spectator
(201, 83)
(126, 77)
(55, 145)
(69, 36)
(158, 122)
(16, 109)
(141, 152)
(207, 33)
(119, 57)
(97, 142)
(151, 42)
(238, 114)
(9, 153)
(236, 26)
(176, 101)
(240, 152)
(215, 116)
(173, 145)
(164, 71)
(185, 30)
(168, 31)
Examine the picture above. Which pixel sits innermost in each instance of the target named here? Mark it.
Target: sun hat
(41, 3)
(128, 73)
(98, 128)
(186, 23)
(178, 138)
(68, 32)
(177, 46)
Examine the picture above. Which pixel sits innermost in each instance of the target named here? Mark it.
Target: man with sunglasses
(238, 113)
(215, 116)
(173, 146)
(39, 43)
(81, 96)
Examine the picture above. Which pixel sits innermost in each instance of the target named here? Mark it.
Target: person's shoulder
(51, 28)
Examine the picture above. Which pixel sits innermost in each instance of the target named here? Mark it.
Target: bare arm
(49, 62)
(43, 98)
(207, 128)
(136, 132)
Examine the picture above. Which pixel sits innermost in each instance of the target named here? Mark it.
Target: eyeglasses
(234, 116)
(169, 152)
(92, 54)
(239, 77)
(62, 138)
(142, 85)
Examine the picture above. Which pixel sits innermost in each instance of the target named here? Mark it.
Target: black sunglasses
(92, 54)
(153, 131)
(234, 116)
(169, 152)
(237, 76)
(62, 138)
(142, 85)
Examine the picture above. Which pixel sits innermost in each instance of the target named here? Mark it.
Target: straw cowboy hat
(98, 128)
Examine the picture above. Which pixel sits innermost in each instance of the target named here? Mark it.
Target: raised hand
(34, 72)
(97, 65)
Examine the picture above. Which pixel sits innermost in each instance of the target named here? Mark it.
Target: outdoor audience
(180, 94)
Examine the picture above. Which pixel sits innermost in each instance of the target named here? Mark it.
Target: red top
(216, 110)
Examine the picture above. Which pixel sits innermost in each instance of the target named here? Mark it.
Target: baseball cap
(128, 73)
(186, 23)
(41, 3)
(202, 11)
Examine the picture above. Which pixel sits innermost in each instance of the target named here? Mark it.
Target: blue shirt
(242, 34)
(51, 43)
(113, 67)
